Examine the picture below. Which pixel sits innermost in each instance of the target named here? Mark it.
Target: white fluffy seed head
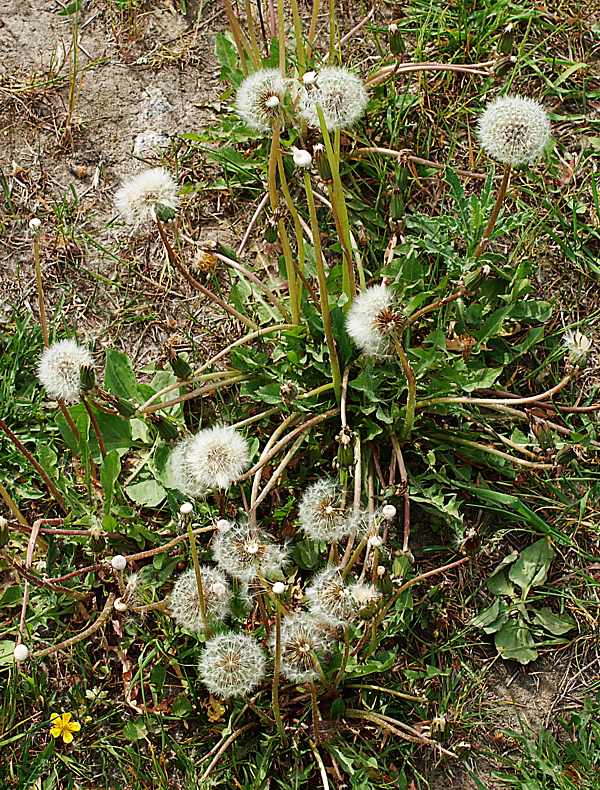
(60, 367)
(321, 512)
(216, 456)
(185, 602)
(330, 598)
(302, 636)
(182, 472)
(577, 344)
(21, 653)
(514, 130)
(259, 98)
(245, 552)
(340, 94)
(149, 195)
(372, 320)
(232, 665)
(118, 562)
(388, 512)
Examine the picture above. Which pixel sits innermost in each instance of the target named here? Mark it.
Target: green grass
(147, 721)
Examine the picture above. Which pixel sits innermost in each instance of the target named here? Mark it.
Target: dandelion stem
(320, 763)
(486, 448)
(354, 558)
(406, 155)
(396, 728)
(198, 573)
(297, 226)
(206, 389)
(241, 42)
(256, 281)
(223, 748)
(40, 289)
(323, 293)
(95, 425)
(312, 31)
(300, 53)
(12, 506)
(315, 712)
(277, 669)
(411, 383)
(495, 211)
(281, 36)
(391, 692)
(339, 678)
(332, 31)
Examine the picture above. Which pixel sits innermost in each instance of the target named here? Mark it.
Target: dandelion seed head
(182, 472)
(372, 320)
(514, 130)
(60, 368)
(321, 512)
(185, 602)
(118, 562)
(216, 456)
(364, 595)
(246, 551)
(259, 98)
(149, 195)
(330, 598)
(341, 95)
(232, 665)
(577, 345)
(302, 636)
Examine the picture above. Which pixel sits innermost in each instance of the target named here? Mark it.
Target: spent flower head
(577, 345)
(259, 99)
(213, 458)
(304, 636)
(514, 130)
(373, 320)
(330, 598)
(340, 94)
(59, 369)
(322, 513)
(232, 665)
(185, 602)
(148, 196)
(245, 552)
(182, 473)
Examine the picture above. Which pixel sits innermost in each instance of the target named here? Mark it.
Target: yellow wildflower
(62, 725)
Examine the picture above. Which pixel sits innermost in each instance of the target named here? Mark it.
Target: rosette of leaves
(518, 626)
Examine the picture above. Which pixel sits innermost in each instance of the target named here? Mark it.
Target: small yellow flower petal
(74, 726)
(66, 717)
(54, 716)
(55, 732)
(67, 737)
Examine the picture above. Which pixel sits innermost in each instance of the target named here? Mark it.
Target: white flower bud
(186, 508)
(302, 158)
(118, 562)
(278, 588)
(120, 605)
(21, 653)
(35, 224)
(389, 512)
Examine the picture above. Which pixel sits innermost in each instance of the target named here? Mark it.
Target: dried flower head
(340, 94)
(303, 636)
(364, 595)
(182, 473)
(577, 345)
(373, 319)
(145, 197)
(232, 665)
(60, 368)
(246, 551)
(213, 458)
(330, 598)
(259, 99)
(185, 602)
(514, 130)
(322, 513)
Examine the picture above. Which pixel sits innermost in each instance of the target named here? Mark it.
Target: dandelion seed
(364, 595)
(232, 665)
(185, 602)
(322, 514)
(245, 552)
(340, 94)
(60, 367)
(303, 636)
(63, 725)
(514, 130)
(577, 345)
(373, 319)
(148, 196)
(259, 98)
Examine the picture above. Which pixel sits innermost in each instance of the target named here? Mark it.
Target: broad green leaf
(119, 378)
(488, 615)
(515, 642)
(531, 567)
(498, 583)
(115, 430)
(307, 555)
(381, 663)
(111, 467)
(147, 493)
(557, 624)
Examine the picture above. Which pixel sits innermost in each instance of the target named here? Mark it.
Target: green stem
(315, 712)
(354, 558)
(411, 400)
(281, 36)
(12, 506)
(331, 31)
(312, 31)
(300, 53)
(297, 226)
(342, 670)
(495, 211)
(198, 573)
(277, 670)
(323, 294)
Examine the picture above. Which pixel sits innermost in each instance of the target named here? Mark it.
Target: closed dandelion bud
(246, 551)
(322, 513)
(301, 158)
(302, 637)
(232, 665)
(373, 320)
(578, 346)
(339, 93)
(35, 225)
(148, 196)
(60, 367)
(259, 99)
(123, 406)
(330, 598)
(180, 367)
(87, 378)
(396, 40)
(505, 45)
(167, 429)
(119, 562)
(388, 512)
(514, 130)
(185, 602)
